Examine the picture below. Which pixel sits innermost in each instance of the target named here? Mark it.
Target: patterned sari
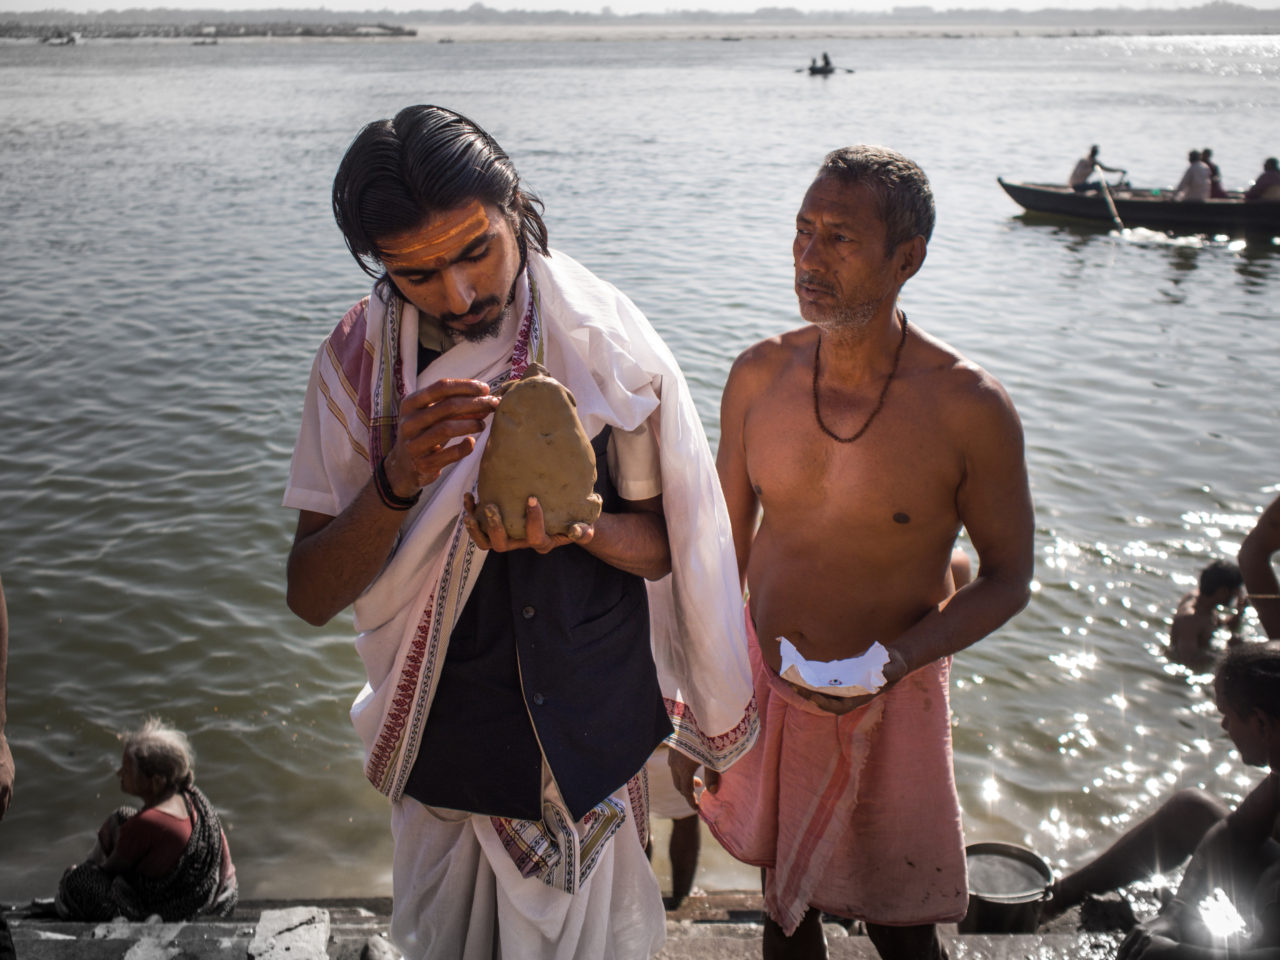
(195, 886)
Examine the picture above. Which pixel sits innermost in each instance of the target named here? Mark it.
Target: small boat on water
(823, 67)
(1151, 208)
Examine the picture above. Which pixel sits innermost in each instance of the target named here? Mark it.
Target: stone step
(688, 940)
(1055, 946)
(275, 930)
(717, 927)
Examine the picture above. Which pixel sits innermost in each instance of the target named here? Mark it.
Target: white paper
(854, 677)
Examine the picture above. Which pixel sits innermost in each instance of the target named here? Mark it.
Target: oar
(1111, 204)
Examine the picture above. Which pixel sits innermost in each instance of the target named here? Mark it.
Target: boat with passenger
(823, 68)
(1152, 208)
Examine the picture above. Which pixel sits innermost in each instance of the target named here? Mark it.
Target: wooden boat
(822, 70)
(1150, 208)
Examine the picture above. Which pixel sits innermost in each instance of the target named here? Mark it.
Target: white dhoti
(459, 896)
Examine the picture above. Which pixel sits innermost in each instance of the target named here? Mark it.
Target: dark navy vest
(550, 656)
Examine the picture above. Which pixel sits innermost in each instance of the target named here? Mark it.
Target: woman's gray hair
(160, 750)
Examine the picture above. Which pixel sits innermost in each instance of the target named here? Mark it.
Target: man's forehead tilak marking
(444, 240)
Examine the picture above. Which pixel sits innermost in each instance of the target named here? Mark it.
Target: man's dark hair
(1248, 678)
(904, 200)
(426, 160)
(1219, 574)
(1271, 163)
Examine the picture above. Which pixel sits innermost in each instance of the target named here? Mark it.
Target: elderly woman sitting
(170, 858)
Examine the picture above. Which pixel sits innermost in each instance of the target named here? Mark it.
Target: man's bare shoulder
(769, 357)
(964, 388)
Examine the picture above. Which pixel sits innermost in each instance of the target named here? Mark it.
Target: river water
(171, 264)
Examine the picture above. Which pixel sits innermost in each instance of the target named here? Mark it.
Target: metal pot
(1008, 886)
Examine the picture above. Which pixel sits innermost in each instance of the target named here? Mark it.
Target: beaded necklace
(817, 412)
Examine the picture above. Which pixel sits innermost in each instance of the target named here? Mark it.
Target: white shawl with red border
(593, 339)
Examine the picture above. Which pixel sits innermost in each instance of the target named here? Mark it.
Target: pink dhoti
(856, 815)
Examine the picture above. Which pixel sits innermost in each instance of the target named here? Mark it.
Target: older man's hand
(683, 775)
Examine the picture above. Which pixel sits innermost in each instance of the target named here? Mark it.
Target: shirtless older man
(862, 445)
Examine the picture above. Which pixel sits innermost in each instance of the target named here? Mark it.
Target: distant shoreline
(478, 23)
(745, 31)
(231, 32)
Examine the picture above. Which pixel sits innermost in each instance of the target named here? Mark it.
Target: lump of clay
(537, 448)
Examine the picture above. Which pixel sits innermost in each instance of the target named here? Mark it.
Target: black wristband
(390, 499)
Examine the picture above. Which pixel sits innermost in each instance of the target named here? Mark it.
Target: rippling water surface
(171, 264)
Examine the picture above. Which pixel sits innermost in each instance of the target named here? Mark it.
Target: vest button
(528, 613)
(539, 699)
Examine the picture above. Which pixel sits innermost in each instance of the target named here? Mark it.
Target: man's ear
(909, 258)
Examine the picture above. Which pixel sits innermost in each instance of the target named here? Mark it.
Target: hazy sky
(618, 6)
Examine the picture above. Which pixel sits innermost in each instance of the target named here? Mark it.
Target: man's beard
(852, 316)
(843, 315)
(475, 333)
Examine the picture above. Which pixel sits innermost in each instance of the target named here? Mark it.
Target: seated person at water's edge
(517, 682)
(170, 858)
(1198, 616)
(1235, 855)
(1079, 180)
(862, 445)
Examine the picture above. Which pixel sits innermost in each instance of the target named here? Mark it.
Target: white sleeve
(633, 462)
(310, 487)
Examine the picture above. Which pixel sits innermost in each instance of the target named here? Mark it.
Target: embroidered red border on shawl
(388, 742)
(638, 794)
(384, 421)
(457, 567)
(720, 750)
(520, 355)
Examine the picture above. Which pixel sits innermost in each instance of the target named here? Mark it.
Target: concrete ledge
(259, 930)
(724, 926)
(290, 933)
(1054, 946)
